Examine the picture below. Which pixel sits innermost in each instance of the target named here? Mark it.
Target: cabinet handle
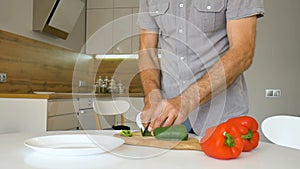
(82, 112)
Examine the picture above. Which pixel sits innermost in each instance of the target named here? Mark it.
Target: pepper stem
(229, 140)
(248, 136)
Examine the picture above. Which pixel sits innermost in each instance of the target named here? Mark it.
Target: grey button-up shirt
(193, 36)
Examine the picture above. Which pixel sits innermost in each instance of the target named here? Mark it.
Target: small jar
(121, 88)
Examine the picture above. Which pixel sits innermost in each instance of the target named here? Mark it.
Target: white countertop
(13, 154)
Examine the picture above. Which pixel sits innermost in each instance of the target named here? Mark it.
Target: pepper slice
(222, 142)
(248, 127)
(126, 133)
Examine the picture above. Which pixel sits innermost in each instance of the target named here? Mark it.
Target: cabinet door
(111, 27)
(135, 31)
(61, 114)
(66, 14)
(63, 122)
(122, 30)
(99, 31)
(86, 115)
(93, 4)
(126, 3)
(60, 107)
(23, 115)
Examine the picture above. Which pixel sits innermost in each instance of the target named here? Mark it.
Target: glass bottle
(106, 81)
(111, 86)
(99, 84)
(120, 87)
(103, 88)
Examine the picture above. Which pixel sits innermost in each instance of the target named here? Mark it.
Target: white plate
(73, 144)
(43, 92)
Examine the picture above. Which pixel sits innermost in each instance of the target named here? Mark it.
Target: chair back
(110, 107)
(282, 130)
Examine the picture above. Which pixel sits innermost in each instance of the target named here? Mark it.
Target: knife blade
(146, 132)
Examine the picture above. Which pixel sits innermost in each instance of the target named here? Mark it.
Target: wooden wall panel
(32, 65)
(125, 70)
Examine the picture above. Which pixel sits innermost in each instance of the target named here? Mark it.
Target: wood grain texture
(32, 65)
(138, 140)
(125, 70)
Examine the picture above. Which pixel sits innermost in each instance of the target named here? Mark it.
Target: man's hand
(151, 102)
(165, 113)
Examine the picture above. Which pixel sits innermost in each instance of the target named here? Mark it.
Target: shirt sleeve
(237, 9)
(145, 20)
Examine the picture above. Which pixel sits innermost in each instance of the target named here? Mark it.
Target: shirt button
(181, 58)
(180, 30)
(183, 82)
(208, 7)
(156, 11)
(181, 5)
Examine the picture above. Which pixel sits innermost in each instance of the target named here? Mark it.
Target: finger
(158, 116)
(156, 123)
(159, 122)
(145, 118)
(180, 119)
(170, 120)
(158, 110)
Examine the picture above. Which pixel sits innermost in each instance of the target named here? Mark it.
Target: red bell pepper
(248, 127)
(222, 142)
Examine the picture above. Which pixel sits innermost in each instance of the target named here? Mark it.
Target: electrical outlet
(3, 77)
(273, 93)
(82, 83)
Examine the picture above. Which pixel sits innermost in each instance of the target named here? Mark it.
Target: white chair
(110, 107)
(282, 130)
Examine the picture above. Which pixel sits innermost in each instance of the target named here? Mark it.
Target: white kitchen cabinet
(96, 4)
(99, 31)
(62, 115)
(22, 115)
(68, 114)
(71, 114)
(64, 122)
(39, 115)
(56, 17)
(111, 27)
(126, 3)
(135, 31)
(122, 30)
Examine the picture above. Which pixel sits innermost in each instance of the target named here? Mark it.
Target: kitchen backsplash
(32, 65)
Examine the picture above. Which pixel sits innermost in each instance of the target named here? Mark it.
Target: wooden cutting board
(138, 140)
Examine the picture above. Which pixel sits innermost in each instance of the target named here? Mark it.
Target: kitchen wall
(276, 63)
(16, 16)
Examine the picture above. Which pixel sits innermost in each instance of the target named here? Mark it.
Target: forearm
(236, 60)
(149, 65)
(149, 73)
(219, 77)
